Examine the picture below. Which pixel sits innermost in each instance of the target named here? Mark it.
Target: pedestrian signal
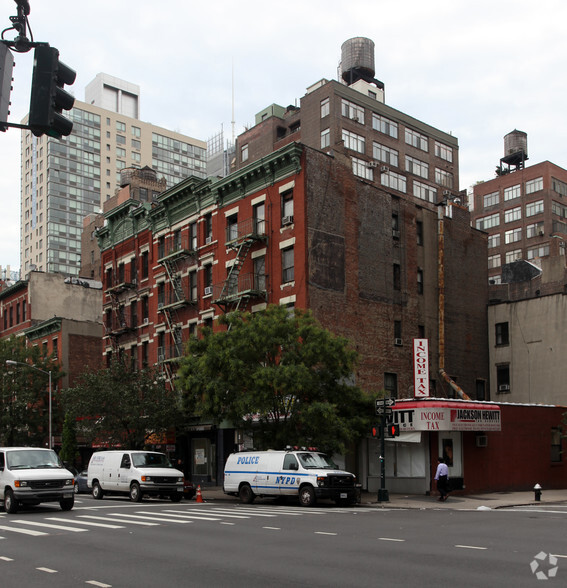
(393, 430)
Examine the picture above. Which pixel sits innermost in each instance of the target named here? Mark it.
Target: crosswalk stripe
(151, 516)
(89, 523)
(183, 513)
(50, 526)
(250, 513)
(23, 531)
(114, 520)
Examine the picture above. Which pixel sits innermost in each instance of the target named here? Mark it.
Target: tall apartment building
(64, 180)
(359, 232)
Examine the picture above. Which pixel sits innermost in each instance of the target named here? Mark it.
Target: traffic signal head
(48, 98)
(6, 68)
(375, 431)
(393, 430)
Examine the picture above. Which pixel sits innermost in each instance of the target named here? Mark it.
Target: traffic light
(393, 430)
(375, 431)
(48, 98)
(6, 69)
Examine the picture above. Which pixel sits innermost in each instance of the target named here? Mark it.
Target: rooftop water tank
(357, 60)
(515, 148)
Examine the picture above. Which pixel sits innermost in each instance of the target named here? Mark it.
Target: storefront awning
(446, 415)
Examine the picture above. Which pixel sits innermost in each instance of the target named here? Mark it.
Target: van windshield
(150, 460)
(30, 459)
(319, 461)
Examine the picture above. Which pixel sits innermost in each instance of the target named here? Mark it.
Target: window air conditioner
(161, 357)
(146, 321)
(372, 164)
(395, 233)
(398, 341)
(208, 240)
(208, 290)
(446, 192)
(504, 388)
(481, 441)
(384, 169)
(160, 305)
(287, 220)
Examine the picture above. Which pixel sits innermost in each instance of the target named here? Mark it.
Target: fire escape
(119, 321)
(171, 301)
(238, 288)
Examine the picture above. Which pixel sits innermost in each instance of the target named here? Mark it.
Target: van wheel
(306, 496)
(135, 492)
(98, 492)
(245, 494)
(10, 503)
(67, 503)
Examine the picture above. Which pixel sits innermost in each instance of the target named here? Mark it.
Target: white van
(134, 473)
(30, 475)
(309, 475)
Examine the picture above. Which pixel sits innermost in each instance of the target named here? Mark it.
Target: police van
(134, 473)
(309, 475)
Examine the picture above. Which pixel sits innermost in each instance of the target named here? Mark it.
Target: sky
(477, 70)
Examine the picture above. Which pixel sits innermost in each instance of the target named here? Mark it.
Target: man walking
(442, 478)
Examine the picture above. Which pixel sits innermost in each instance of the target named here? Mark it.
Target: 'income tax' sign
(421, 368)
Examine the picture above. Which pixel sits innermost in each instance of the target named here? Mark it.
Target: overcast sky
(477, 70)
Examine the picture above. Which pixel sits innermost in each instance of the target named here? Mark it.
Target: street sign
(388, 411)
(382, 403)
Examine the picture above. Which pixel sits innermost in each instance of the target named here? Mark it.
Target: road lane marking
(99, 584)
(145, 523)
(272, 528)
(47, 570)
(50, 526)
(4, 558)
(226, 523)
(471, 547)
(555, 555)
(89, 523)
(23, 531)
(391, 539)
(324, 533)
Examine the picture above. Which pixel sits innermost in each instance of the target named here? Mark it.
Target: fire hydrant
(537, 492)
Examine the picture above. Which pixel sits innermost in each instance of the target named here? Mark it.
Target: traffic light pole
(383, 495)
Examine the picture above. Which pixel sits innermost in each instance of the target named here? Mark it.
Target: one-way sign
(382, 403)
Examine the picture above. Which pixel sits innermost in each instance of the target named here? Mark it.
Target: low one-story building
(489, 447)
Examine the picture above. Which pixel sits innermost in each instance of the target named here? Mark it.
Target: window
(534, 208)
(513, 255)
(231, 227)
(494, 240)
(161, 247)
(134, 313)
(534, 185)
(260, 274)
(443, 151)
(559, 186)
(417, 140)
(145, 300)
(353, 141)
(325, 138)
(259, 212)
(193, 293)
(419, 232)
(397, 330)
(487, 222)
(352, 111)
(384, 125)
(397, 276)
(424, 192)
(444, 178)
(244, 153)
(512, 192)
(491, 199)
(55, 348)
(493, 261)
(385, 154)
(420, 281)
(513, 214)
(208, 227)
(501, 334)
(556, 450)
(120, 140)
(394, 181)
(534, 230)
(361, 169)
(503, 379)
(287, 265)
(513, 235)
(541, 251)
(145, 264)
(325, 107)
(120, 126)
(391, 385)
(395, 225)
(193, 236)
(208, 275)
(287, 207)
(417, 167)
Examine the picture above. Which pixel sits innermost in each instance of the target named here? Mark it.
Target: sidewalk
(494, 500)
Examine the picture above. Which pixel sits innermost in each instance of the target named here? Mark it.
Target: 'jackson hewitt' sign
(441, 416)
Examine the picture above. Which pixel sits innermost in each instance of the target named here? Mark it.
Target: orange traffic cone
(199, 497)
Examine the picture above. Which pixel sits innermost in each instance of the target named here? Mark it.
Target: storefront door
(451, 449)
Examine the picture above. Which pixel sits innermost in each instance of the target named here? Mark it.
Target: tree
(121, 406)
(280, 377)
(24, 394)
(68, 451)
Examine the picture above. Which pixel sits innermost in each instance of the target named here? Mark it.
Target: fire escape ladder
(230, 286)
(174, 278)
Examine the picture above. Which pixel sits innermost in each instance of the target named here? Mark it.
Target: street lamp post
(33, 367)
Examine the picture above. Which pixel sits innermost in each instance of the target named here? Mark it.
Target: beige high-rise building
(64, 180)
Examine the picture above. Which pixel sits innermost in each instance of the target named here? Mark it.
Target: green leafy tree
(280, 377)
(69, 451)
(121, 406)
(24, 394)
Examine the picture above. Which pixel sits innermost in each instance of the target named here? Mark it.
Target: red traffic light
(393, 430)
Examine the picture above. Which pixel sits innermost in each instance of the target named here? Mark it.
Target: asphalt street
(116, 543)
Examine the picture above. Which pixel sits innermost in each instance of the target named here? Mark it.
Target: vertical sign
(420, 368)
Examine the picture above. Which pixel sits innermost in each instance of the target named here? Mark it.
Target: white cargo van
(134, 473)
(306, 474)
(30, 475)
